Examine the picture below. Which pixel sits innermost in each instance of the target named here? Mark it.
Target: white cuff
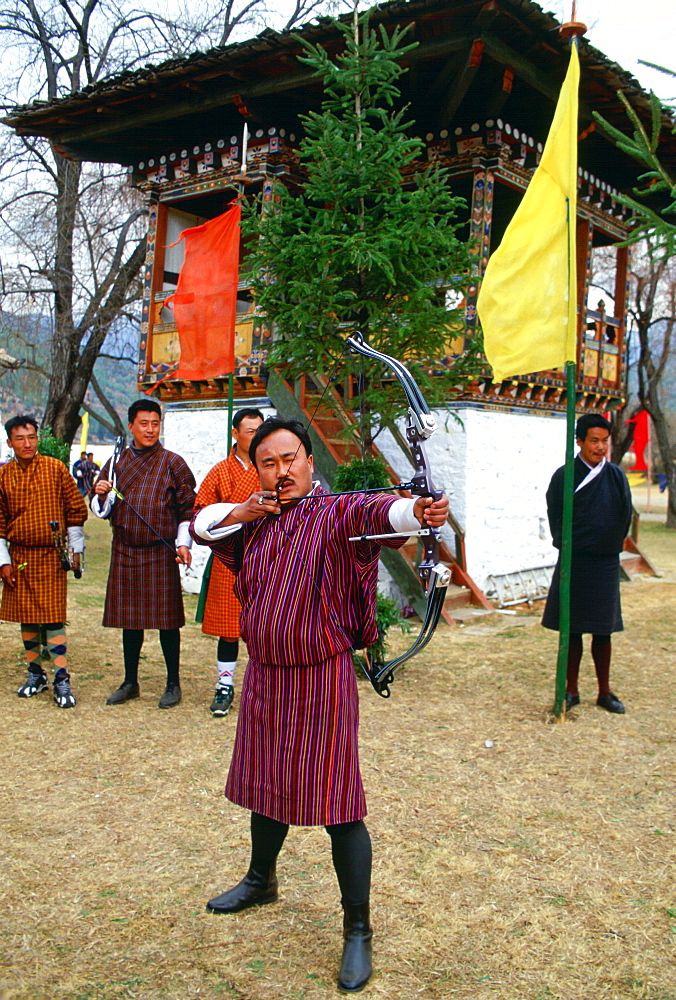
(183, 536)
(102, 507)
(402, 517)
(205, 523)
(76, 538)
(5, 558)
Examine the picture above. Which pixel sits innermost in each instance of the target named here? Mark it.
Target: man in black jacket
(601, 519)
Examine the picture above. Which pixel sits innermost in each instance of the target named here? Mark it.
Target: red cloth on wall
(205, 300)
(641, 435)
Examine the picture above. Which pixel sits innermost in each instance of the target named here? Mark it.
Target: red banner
(205, 300)
(641, 435)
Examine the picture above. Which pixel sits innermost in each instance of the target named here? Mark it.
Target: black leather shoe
(171, 696)
(254, 890)
(125, 692)
(356, 964)
(571, 700)
(611, 703)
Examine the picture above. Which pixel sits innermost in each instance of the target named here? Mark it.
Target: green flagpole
(566, 547)
(231, 401)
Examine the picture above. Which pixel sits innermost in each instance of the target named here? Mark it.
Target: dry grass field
(540, 867)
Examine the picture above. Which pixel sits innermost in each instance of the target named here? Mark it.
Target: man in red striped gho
(232, 480)
(308, 597)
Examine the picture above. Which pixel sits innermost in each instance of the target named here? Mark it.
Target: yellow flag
(527, 301)
(84, 431)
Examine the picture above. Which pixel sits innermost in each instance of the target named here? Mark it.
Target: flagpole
(572, 30)
(566, 548)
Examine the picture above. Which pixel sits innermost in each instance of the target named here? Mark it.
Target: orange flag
(205, 300)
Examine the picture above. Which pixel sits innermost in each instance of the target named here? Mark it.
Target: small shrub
(53, 446)
(366, 473)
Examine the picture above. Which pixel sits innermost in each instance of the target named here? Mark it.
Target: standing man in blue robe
(601, 517)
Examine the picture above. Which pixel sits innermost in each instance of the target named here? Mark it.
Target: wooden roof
(457, 75)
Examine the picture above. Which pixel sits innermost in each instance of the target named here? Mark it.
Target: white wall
(202, 437)
(495, 467)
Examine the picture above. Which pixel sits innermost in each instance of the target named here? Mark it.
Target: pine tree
(370, 242)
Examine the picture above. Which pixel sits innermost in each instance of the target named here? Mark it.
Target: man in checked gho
(233, 480)
(36, 490)
(150, 516)
(601, 519)
(308, 597)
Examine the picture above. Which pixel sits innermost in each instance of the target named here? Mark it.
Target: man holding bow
(308, 595)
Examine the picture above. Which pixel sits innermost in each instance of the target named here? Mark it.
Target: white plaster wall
(202, 437)
(511, 459)
(495, 467)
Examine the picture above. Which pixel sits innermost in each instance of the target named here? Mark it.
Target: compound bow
(434, 576)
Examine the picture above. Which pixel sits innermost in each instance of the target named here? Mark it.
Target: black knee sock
(352, 855)
(601, 649)
(170, 641)
(267, 837)
(574, 657)
(132, 641)
(227, 650)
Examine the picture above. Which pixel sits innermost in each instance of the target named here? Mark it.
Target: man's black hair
(589, 420)
(143, 406)
(248, 411)
(21, 420)
(273, 424)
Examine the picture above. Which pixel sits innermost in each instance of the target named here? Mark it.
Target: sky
(626, 31)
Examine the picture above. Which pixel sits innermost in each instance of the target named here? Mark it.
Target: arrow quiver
(65, 554)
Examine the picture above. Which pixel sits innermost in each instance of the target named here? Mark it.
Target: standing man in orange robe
(231, 481)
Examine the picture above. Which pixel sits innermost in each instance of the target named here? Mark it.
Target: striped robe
(144, 584)
(227, 482)
(308, 598)
(29, 499)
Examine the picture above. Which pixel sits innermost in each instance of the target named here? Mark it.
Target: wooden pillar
(585, 235)
(480, 234)
(154, 263)
(622, 294)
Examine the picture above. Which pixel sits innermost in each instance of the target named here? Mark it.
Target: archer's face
(282, 456)
(594, 448)
(145, 428)
(24, 443)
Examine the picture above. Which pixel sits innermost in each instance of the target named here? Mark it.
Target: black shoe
(571, 700)
(254, 890)
(125, 692)
(34, 684)
(63, 696)
(171, 696)
(611, 703)
(356, 964)
(222, 702)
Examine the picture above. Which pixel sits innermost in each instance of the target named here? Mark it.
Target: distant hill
(25, 391)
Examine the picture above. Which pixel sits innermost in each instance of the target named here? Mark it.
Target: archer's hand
(103, 487)
(431, 513)
(8, 575)
(260, 504)
(184, 555)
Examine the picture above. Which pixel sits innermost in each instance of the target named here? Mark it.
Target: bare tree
(653, 310)
(73, 236)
